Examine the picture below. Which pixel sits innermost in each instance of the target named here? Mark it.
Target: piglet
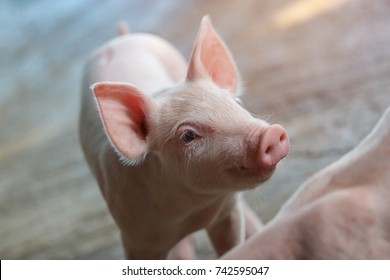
(342, 212)
(169, 144)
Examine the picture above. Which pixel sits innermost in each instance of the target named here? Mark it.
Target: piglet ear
(123, 109)
(211, 59)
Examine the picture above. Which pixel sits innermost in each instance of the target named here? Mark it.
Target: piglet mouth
(261, 172)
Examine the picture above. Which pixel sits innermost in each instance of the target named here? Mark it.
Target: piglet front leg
(184, 250)
(223, 233)
(253, 224)
(233, 226)
(227, 232)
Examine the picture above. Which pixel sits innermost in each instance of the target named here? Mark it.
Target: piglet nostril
(268, 150)
(283, 136)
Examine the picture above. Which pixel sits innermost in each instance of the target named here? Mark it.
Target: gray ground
(321, 70)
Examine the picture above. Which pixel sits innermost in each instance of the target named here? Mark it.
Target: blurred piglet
(170, 146)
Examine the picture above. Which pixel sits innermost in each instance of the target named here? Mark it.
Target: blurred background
(321, 68)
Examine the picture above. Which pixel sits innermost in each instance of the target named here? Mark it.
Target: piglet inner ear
(211, 59)
(123, 109)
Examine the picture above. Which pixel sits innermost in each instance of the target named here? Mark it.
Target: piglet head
(200, 135)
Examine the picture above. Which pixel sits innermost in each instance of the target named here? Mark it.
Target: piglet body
(169, 145)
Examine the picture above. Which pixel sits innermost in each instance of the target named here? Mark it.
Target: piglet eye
(187, 136)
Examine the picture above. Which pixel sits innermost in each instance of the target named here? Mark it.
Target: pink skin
(274, 145)
(169, 145)
(342, 212)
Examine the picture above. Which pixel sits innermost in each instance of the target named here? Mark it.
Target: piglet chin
(259, 174)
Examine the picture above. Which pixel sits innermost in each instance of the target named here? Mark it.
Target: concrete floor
(321, 68)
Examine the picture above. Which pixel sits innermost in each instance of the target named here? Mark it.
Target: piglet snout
(274, 145)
